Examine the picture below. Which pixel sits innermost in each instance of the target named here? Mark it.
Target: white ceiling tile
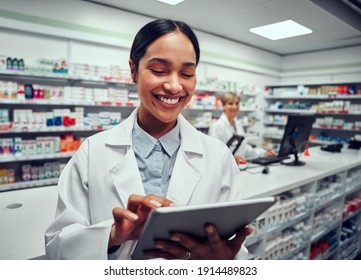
(233, 18)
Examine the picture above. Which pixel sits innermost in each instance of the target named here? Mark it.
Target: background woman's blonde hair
(229, 96)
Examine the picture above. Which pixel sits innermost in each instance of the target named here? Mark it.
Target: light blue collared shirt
(155, 158)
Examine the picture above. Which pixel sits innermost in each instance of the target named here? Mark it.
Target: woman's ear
(133, 71)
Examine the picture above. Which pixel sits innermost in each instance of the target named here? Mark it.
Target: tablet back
(228, 217)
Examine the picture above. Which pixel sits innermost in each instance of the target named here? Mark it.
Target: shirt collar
(171, 141)
(145, 142)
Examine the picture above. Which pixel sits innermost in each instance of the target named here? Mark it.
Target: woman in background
(228, 125)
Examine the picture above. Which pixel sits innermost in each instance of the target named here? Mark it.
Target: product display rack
(337, 110)
(14, 163)
(326, 216)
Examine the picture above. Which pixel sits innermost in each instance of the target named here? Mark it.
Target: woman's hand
(128, 223)
(270, 153)
(182, 246)
(239, 159)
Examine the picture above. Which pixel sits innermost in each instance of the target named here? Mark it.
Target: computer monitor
(295, 137)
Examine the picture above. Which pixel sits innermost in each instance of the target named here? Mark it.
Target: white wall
(341, 65)
(31, 46)
(103, 36)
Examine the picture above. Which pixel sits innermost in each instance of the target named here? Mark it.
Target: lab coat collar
(185, 176)
(224, 118)
(121, 135)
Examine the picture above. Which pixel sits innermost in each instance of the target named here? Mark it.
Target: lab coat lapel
(185, 178)
(186, 175)
(124, 172)
(126, 177)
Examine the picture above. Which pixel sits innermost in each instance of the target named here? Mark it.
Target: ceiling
(334, 24)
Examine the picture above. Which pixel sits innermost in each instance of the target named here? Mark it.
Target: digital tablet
(228, 217)
(234, 142)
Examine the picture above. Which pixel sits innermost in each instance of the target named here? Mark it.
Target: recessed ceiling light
(281, 30)
(171, 2)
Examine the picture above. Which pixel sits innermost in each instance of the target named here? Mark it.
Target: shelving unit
(124, 106)
(337, 108)
(38, 160)
(202, 113)
(323, 208)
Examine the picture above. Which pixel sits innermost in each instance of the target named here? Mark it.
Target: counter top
(281, 178)
(22, 228)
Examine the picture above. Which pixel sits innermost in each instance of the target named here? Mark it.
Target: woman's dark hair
(155, 29)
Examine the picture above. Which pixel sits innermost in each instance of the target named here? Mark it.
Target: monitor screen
(295, 137)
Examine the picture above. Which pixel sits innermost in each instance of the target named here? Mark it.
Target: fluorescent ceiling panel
(171, 2)
(281, 30)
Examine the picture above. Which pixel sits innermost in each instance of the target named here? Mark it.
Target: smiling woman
(154, 158)
(165, 81)
(164, 72)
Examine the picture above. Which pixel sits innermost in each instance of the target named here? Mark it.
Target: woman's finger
(119, 214)
(213, 237)
(147, 203)
(241, 236)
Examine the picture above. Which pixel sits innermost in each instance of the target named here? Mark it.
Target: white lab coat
(103, 173)
(223, 130)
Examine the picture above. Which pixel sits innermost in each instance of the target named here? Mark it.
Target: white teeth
(168, 100)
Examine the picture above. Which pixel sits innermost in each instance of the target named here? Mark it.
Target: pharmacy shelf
(65, 77)
(325, 168)
(36, 157)
(329, 253)
(325, 231)
(57, 129)
(321, 142)
(201, 109)
(284, 93)
(297, 250)
(11, 130)
(350, 216)
(247, 110)
(272, 136)
(338, 129)
(290, 111)
(293, 221)
(253, 239)
(348, 241)
(337, 113)
(28, 184)
(85, 103)
(328, 97)
(349, 191)
(318, 127)
(328, 202)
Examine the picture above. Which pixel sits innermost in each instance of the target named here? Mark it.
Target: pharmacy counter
(317, 215)
(281, 178)
(24, 217)
(25, 214)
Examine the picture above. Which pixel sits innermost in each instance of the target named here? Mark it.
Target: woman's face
(166, 79)
(231, 108)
